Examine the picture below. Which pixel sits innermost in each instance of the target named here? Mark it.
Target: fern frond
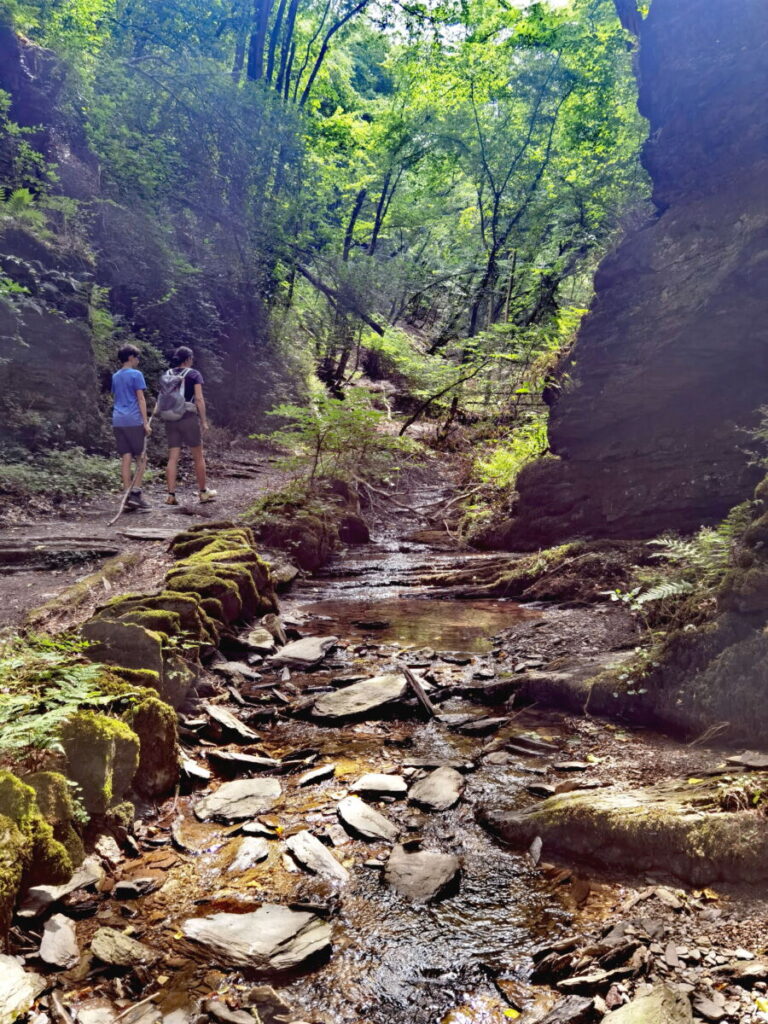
(665, 591)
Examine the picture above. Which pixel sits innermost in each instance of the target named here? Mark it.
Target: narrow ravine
(460, 955)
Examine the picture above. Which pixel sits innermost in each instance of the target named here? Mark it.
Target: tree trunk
(261, 12)
(348, 237)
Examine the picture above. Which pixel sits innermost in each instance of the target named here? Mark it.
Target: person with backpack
(180, 404)
(130, 424)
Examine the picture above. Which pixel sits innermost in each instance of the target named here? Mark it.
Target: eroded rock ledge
(672, 360)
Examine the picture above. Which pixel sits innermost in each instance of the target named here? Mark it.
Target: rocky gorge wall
(671, 364)
(78, 280)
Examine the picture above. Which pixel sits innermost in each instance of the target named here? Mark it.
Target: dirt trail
(68, 545)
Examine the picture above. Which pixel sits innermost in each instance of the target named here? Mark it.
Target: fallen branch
(418, 689)
(339, 301)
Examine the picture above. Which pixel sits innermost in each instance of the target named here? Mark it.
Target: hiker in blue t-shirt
(130, 423)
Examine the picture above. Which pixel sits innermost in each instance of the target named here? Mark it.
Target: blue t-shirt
(125, 383)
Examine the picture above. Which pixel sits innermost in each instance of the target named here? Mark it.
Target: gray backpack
(171, 404)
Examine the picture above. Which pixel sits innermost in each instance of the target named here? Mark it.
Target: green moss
(103, 754)
(761, 492)
(124, 644)
(154, 722)
(54, 798)
(205, 582)
(129, 680)
(228, 539)
(121, 815)
(15, 855)
(47, 861)
(167, 623)
(757, 533)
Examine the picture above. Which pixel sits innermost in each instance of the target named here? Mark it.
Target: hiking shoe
(207, 495)
(171, 498)
(137, 502)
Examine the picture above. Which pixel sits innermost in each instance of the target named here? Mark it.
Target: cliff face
(121, 271)
(672, 361)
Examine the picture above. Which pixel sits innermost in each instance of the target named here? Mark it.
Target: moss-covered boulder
(49, 861)
(207, 582)
(102, 758)
(676, 828)
(184, 614)
(54, 798)
(14, 857)
(154, 722)
(125, 644)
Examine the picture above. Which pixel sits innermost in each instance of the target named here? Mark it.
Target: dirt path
(57, 550)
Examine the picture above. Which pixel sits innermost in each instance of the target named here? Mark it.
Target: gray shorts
(129, 440)
(184, 433)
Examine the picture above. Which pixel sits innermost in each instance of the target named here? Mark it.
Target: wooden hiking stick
(141, 463)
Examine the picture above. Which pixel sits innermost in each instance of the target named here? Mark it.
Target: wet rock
(231, 723)
(310, 852)
(243, 798)
(754, 759)
(40, 897)
(540, 789)
(192, 769)
(96, 1011)
(271, 1008)
(574, 1010)
(664, 1005)
(242, 764)
(440, 790)
(365, 821)
(18, 989)
(132, 889)
(259, 828)
(421, 875)
(710, 1009)
(361, 698)
(378, 784)
(250, 852)
(325, 771)
(232, 669)
(571, 766)
(59, 946)
(119, 950)
(304, 653)
(270, 938)
(219, 1011)
(482, 726)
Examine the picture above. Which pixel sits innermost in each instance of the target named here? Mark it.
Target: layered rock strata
(671, 364)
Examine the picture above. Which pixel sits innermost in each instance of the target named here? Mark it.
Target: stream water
(392, 961)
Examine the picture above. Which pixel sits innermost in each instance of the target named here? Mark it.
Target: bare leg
(199, 460)
(141, 465)
(172, 468)
(125, 470)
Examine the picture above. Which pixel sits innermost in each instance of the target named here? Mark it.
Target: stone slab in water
(440, 790)
(271, 938)
(119, 950)
(377, 783)
(243, 798)
(754, 759)
(310, 852)
(304, 653)
(421, 875)
(40, 897)
(325, 771)
(18, 989)
(664, 1005)
(251, 851)
(59, 946)
(365, 821)
(233, 761)
(360, 698)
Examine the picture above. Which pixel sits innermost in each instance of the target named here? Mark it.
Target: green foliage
(525, 443)
(336, 438)
(45, 681)
(67, 472)
(21, 209)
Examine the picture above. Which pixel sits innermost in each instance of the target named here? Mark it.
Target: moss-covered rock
(102, 755)
(133, 679)
(745, 591)
(46, 861)
(154, 722)
(15, 853)
(124, 644)
(192, 619)
(206, 582)
(54, 798)
(673, 827)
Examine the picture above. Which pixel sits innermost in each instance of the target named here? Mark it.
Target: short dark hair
(125, 353)
(181, 355)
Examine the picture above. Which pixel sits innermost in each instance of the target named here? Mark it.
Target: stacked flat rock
(361, 698)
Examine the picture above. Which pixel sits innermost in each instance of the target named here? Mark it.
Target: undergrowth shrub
(67, 472)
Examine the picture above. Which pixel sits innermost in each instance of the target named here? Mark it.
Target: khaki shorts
(184, 433)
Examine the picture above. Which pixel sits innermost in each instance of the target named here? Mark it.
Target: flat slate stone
(243, 798)
(40, 897)
(261, 640)
(18, 990)
(236, 668)
(379, 784)
(421, 875)
(270, 938)
(242, 763)
(325, 771)
(231, 723)
(304, 653)
(251, 851)
(753, 759)
(440, 790)
(119, 950)
(360, 698)
(363, 820)
(665, 1005)
(309, 851)
(59, 946)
